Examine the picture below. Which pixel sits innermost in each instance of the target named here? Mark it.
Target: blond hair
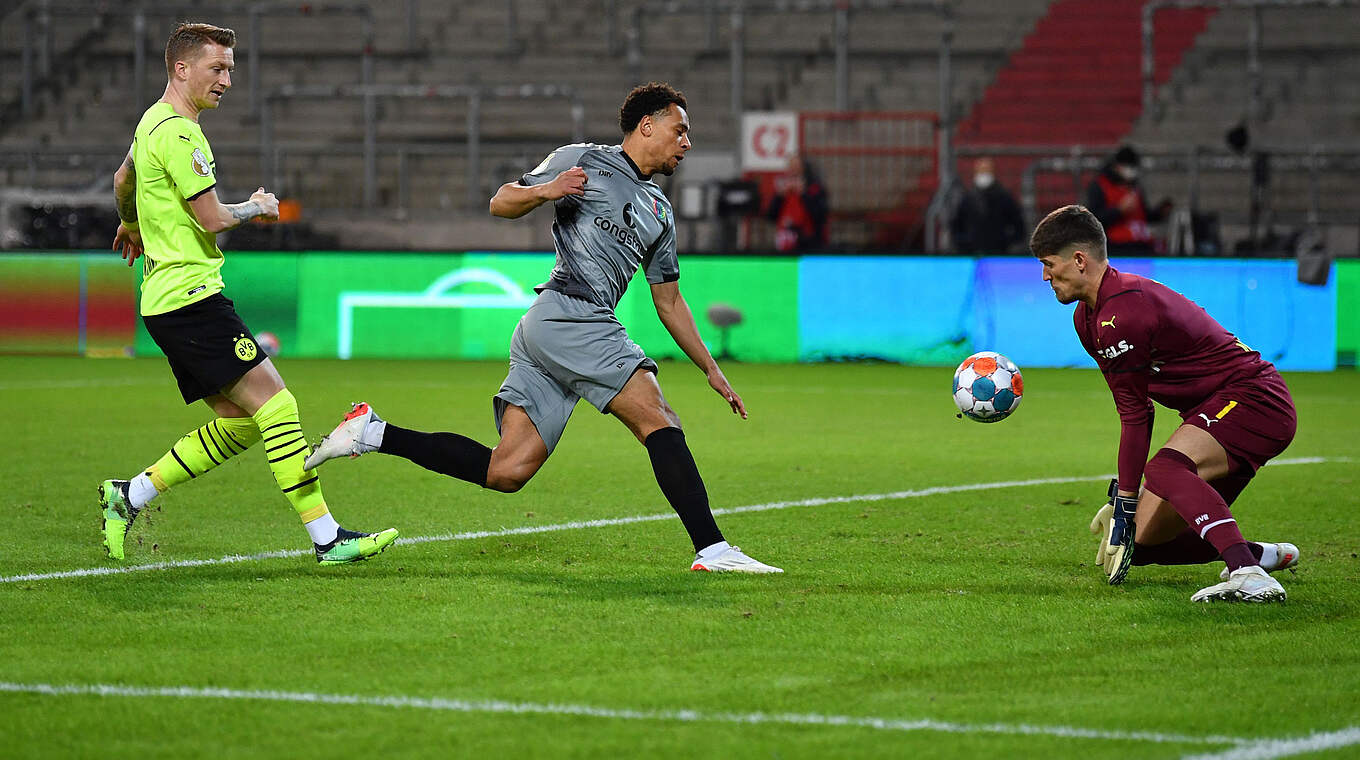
(188, 38)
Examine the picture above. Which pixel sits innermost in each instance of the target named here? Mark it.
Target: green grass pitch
(959, 623)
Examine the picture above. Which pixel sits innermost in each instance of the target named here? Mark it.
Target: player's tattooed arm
(125, 190)
(217, 217)
(128, 238)
(244, 212)
(261, 205)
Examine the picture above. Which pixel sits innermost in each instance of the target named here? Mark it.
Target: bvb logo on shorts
(245, 349)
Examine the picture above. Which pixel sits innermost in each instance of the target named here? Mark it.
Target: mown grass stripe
(600, 523)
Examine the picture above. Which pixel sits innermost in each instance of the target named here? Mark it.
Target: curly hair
(1069, 226)
(648, 100)
(188, 37)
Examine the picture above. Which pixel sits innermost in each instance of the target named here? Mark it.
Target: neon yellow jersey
(174, 165)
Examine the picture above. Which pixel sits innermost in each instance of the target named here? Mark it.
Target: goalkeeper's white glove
(1114, 524)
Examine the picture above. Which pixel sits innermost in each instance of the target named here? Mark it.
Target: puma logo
(1207, 419)
(1110, 322)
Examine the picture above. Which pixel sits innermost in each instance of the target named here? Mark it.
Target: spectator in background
(987, 219)
(799, 209)
(1116, 198)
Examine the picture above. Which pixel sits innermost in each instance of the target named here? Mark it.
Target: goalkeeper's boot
(731, 560)
(118, 514)
(351, 546)
(1286, 557)
(1245, 584)
(359, 433)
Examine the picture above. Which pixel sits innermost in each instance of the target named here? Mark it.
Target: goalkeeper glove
(1114, 523)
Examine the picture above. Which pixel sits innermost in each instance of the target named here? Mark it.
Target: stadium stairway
(1077, 79)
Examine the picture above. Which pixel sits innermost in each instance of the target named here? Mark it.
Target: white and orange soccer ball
(268, 343)
(987, 387)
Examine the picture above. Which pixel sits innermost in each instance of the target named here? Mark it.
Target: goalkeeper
(1154, 344)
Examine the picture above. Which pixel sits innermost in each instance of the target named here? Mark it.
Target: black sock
(679, 479)
(446, 453)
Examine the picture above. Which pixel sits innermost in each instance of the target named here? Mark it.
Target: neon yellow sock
(202, 450)
(287, 449)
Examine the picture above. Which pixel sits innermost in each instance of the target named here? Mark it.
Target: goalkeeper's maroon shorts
(1253, 420)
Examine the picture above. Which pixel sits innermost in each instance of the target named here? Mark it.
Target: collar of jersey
(636, 170)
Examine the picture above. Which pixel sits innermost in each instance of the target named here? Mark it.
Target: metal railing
(33, 159)
(1076, 164)
(475, 95)
(93, 169)
(509, 161)
(1080, 163)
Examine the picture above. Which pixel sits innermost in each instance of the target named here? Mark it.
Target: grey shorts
(565, 349)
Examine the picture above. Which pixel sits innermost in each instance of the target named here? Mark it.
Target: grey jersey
(622, 222)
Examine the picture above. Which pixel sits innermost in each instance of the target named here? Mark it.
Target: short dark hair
(647, 100)
(188, 37)
(1065, 227)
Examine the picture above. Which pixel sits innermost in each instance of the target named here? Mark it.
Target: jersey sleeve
(1125, 361)
(557, 162)
(184, 154)
(663, 263)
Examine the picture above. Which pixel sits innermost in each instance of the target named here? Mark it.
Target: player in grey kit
(611, 219)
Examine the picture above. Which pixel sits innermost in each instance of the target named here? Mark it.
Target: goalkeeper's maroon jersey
(1154, 344)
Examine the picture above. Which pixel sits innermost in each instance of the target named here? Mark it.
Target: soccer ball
(987, 387)
(268, 343)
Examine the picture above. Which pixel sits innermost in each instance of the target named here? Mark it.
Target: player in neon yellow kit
(167, 201)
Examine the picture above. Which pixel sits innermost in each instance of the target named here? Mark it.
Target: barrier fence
(918, 310)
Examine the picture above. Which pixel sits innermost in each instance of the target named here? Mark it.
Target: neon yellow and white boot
(352, 546)
(117, 513)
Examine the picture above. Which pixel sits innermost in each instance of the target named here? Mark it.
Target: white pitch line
(601, 523)
(1270, 749)
(591, 711)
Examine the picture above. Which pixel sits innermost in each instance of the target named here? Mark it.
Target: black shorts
(207, 345)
